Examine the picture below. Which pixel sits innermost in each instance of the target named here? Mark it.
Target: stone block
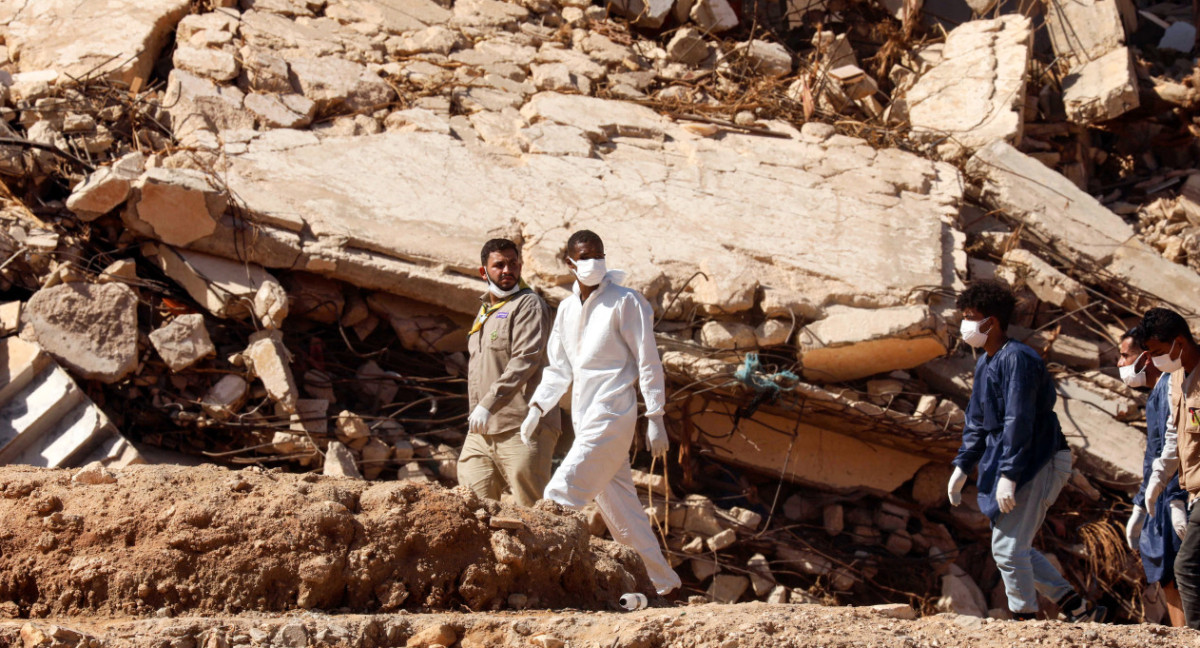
(91, 329)
(183, 341)
(225, 288)
(225, 397)
(727, 588)
(718, 334)
(1022, 267)
(270, 362)
(852, 343)
(1101, 89)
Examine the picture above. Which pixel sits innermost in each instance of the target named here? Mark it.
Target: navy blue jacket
(1011, 428)
(1159, 542)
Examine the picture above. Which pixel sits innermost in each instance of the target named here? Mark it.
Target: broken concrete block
(772, 332)
(976, 94)
(10, 317)
(339, 462)
(226, 397)
(310, 416)
(106, 188)
(891, 517)
(727, 588)
(93, 474)
(929, 484)
(179, 206)
(374, 457)
(314, 297)
(196, 104)
(1047, 282)
(123, 270)
(721, 540)
(746, 518)
(351, 427)
(779, 595)
(853, 343)
(1074, 222)
(1101, 89)
(727, 335)
(898, 543)
(894, 611)
(833, 518)
(961, 595)
(183, 341)
(714, 16)
(218, 65)
(402, 450)
(270, 362)
(45, 419)
(1106, 450)
(337, 85)
(704, 568)
(226, 288)
(767, 59)
(90, 328)
(376, 384)
(644, 13)
(281, 111)
(695, 546)
(701, 516)
(688, 46)
(118, 40)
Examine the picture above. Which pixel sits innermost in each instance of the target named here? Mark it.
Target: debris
(183, 341)
(727, 588)
(91, 329)
(339, 462)
(854, 343)
(270, 361)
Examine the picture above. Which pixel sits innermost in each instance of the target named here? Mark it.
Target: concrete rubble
(269, 250)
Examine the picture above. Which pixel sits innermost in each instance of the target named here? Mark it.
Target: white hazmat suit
(601, 348)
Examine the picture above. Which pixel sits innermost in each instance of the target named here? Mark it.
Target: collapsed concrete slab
(90, 328)
(1089, 37)
(1022, 267)
(675, 184)
(976, 94)
(1107, 451)
(119, 40)
(1049, 204)
(45, 419)
(225, 288)
(853, 343)
(814, 455)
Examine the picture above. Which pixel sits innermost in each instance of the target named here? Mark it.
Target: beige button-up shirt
(508, 354)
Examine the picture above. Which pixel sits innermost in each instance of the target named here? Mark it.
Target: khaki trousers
(489, 462)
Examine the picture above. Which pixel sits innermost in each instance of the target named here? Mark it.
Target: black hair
(1164, 325)
(583, 236)
(496, 245)
(991, 298)
(1137, 334)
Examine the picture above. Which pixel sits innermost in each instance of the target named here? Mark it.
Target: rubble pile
(247, 232)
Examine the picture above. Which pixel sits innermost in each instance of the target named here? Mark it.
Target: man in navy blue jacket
(1159, 541)
(1012, 434)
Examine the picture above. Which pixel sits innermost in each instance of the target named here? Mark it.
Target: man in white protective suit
(602, 344)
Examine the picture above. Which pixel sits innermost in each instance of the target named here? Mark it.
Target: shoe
(1024, 616)
(1076, 610)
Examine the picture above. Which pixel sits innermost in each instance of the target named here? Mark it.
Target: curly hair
(990, 297)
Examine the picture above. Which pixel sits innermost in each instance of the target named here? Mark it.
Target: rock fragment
(91, 329)
(183, 341)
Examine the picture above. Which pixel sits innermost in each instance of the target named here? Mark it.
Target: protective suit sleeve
(1021, 382)
(557, 375)
(974, 440)
(530, 333)
(637, 329)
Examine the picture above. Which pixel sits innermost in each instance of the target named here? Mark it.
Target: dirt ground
(748, 625)
(205, 557)
(164, 540)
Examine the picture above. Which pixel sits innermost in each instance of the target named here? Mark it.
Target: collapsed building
(246, 232)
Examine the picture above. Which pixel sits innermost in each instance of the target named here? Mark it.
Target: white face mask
(971, 333)
(1131, 376)
(495, 290)
(590, 272)
(1165, 363)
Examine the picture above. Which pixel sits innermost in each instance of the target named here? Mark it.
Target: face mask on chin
(590, 272)
(1131, 376)
(1165, 363)
(971, 333)
(500, 294)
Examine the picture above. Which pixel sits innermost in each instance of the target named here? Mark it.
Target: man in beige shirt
(508, 352)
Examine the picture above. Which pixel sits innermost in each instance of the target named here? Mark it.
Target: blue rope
(751, 375)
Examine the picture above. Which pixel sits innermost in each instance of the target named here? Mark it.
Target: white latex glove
(1179, 518)
(1006, 494)
(955, 486)
(656, 435)
(530, 425)
(1154, 488)
(477, 422)
(1133, 528)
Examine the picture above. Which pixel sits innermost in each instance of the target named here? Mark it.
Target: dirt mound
(170, 540)
(751, 625)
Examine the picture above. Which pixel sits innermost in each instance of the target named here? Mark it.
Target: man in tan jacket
(1174, 351)
(508, 352)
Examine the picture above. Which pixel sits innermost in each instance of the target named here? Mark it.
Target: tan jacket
(508, 354)
(1185, 415)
